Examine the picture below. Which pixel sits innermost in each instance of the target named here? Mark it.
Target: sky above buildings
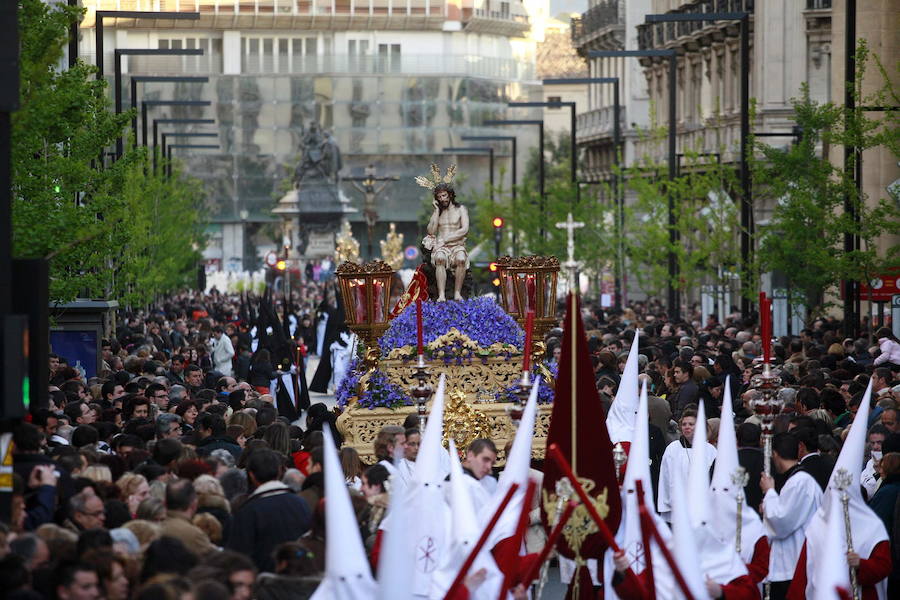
(567, 6)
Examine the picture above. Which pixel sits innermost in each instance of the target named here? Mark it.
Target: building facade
(392, 81)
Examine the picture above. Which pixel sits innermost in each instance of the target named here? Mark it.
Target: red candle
(420, 345)
(765, 321)
(526, 351)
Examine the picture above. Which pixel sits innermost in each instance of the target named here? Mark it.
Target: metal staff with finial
(842, 481)
(739, 478)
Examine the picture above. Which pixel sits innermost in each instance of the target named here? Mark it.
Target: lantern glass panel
(358, 294)
(510, 302)
(527, 290)
(549, 290)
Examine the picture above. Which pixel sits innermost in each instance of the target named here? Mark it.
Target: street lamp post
(193, 146)
(513, 171)
(619, 199)
(572, 147)
(136, 79)
(477, 150)
(673, 232)
(119, 53)
(158, 122)
(146, 104)
(540, 125)
(130, 14)
(746, 189)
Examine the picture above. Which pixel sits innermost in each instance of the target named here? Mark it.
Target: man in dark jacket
(211, 431)
(811, 461)
(688, 392)
(271, 515)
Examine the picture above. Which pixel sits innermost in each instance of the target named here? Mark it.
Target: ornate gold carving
(462, 422)
(375, 266)
(392, 248)
(494, 373)
(580, 524)
(360, 426)
(529, 262)
(347, 248)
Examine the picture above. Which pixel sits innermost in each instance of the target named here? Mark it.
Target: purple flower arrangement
(480, 319)
(545, 392)
(379, 393)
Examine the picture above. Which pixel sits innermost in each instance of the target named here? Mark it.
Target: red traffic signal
(497, 222)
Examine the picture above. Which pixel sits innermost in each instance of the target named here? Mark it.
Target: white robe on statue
(675, 466)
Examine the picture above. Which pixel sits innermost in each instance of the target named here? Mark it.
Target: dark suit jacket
(819, 467)
(752, 460)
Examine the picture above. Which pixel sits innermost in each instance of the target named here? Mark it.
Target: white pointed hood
(628, 536)
(430, 526)
(347, 572)
(866, 527)
(685, 546)
(465, 532)
(620, 422)
(397, 553)
(518, 465)
(429, 461)
(831, 571)
(718, 558)
(725, 492)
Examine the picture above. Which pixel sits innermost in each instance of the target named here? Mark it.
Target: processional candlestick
(767, 404)
(739, 478)
(842, 481)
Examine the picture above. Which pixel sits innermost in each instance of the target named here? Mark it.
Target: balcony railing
(818, 4)
(412, 64)
(598, 122)
(603, 14)
(656, 35)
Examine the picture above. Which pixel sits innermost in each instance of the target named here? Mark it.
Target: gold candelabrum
(766, 405)
(365, 290)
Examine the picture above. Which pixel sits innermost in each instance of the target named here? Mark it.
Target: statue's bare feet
(457, 296)
(441, 298)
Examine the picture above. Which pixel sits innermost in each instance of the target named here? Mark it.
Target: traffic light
(497, 222)
(281, 265)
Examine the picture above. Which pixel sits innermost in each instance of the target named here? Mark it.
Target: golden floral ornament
(436, 178)
(462, 422)
(580, 524)
(454, 336)
(392, 248)
(347, 248)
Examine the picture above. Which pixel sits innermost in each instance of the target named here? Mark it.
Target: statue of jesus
(447, 231)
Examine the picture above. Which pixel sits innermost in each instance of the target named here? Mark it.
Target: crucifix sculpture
(368, 186)
(571, 265)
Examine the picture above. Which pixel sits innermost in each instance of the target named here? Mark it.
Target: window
(554, 99)
(389, 57)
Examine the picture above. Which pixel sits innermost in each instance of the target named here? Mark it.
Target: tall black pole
(747, 221)
(851, 156)
(541, 177)
(491, 155)
(98, 46)
(73, 37)
(573, 149)
(674, 311)
(619, 198)
(515, 235)
(120, 145)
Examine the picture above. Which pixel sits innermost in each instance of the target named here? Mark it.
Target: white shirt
(786, 516)
(222, 354)
(675, 466)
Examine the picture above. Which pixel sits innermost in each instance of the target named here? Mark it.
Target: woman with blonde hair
(151, 509)
(145, 531)
(244, 420)
(133, 489)
(211, 500)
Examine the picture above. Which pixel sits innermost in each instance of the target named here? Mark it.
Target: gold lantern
(366, 292)
(529, 283)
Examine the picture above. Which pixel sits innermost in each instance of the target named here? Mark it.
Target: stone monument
(314, 209)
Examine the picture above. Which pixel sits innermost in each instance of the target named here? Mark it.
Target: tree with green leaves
(804, 239)
(118, 231)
